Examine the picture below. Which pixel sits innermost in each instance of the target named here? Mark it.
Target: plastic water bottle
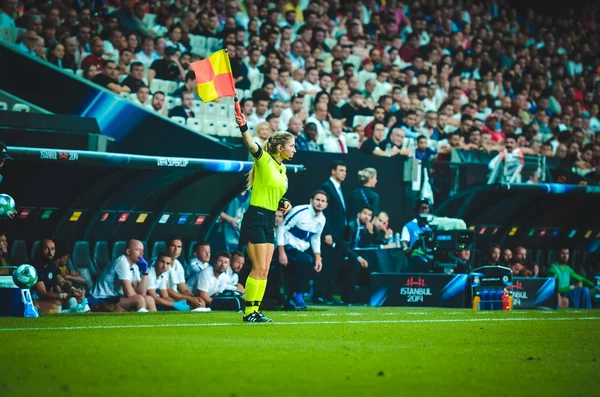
(397, 240)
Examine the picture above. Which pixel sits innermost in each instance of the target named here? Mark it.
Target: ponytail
(270, 146)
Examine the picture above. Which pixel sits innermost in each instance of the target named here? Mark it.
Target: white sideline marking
(236, 323)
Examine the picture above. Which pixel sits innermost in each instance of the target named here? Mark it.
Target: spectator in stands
(422, 151)
(167, 68)
(301, 231)
(57, 53)
(212, 280)
(295, 128)
(430, 129)
(307, 140)
(273, 121)
(158, 103)
(185, 109)
(28, 43)
(189, 86)
(200, 261)
(521, 254)
(578, 296)
(493, 256)
(354, 108)
(513, 160)
(82, 39)
(68, 60)
(108, 78)
(125, 59)
(123, 283)
(9, 13)
(371, 145)
(262, 132)
(395, 140)
(141, 98)
(336, 142)
(95, 58)
(260, 111)
(294, 110)
(491, 123)
(319, 119)
(177, 289)
(135, 79)
(147, 55)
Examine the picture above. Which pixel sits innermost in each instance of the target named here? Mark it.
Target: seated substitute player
(200, 261)
(237, 264)
(47, 294)
(212, 280)
(157, 284)
(125, 284)
(301, 230)
(176, 286)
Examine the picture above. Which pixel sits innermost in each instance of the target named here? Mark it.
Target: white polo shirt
(109, 284)
(210, 284)
(195, 267)
(233, 279)
(155, 282)
(176, 275)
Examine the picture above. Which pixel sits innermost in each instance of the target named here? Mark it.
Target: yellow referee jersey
(270, 182)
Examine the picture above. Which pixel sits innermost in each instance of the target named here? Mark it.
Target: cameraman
(413, 229)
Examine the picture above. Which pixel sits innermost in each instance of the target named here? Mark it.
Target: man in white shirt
(287, 113)
(213, 279)
(147, 55)
(198, 263)
(177, 289)
(301, 230)
(336, 143)
(260, 113)
(237, 263)
(125, 284)
(157, 284)
(319, 118)
(311, 82)
(141, 98)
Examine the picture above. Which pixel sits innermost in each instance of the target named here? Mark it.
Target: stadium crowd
(388, 78)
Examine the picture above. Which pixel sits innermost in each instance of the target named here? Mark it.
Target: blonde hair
(259, 126)
(270, 146)
(366, 174)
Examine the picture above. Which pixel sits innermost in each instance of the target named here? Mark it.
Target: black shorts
(258, 226)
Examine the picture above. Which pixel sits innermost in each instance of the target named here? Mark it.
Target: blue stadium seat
(101, 256)
(157, 248)
(82, 261)
(18, 253)
(34, 248)
(118, 249)
(190, 255)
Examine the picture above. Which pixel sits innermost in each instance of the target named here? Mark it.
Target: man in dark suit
(333, 234)
(360, 235)
(185, 109)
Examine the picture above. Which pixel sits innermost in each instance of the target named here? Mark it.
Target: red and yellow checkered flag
(214, 78)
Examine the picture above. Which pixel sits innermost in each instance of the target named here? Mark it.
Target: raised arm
(246, 135)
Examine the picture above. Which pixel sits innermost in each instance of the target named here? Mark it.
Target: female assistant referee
(269, 182)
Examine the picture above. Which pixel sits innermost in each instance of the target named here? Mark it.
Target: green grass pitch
(354, 351)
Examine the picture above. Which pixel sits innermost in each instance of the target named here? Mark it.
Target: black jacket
(363, 196)
(179, 111)
(335, 213)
